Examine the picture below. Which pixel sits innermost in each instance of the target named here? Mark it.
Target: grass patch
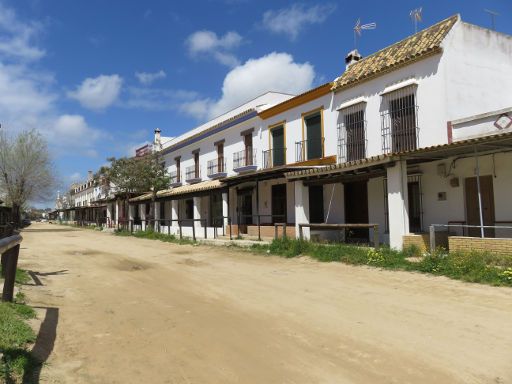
(475, 267)
(153, 235)
(15, 336)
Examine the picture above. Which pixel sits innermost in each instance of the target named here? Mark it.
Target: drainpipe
(479, 195)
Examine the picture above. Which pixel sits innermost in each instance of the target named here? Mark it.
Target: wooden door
(356, 211)
(472, 206)
(248, 149)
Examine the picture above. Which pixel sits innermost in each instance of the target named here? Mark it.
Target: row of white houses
(415, 134)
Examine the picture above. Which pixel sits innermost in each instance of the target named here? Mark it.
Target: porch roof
(183, 190)
(264, 174)
(375, 165)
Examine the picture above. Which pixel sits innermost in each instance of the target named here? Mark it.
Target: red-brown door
(472, 206)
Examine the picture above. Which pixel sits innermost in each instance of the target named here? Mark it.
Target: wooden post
(284, 229)
(300, 231)
(194, 230)
(10, 273)
(275, 231)
(205, 229)
(181, 232)
(376, 239)
(432, 239)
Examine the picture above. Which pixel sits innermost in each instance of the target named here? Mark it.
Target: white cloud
(147, 78)
(15, 40)
(274, 72)
(292, 20)
(99, 92)
(207, 43)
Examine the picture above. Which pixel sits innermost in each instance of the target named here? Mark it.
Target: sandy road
(141, 311)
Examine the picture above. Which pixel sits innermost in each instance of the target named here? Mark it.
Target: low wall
(267, 231)
(422, 240)
(487, 244)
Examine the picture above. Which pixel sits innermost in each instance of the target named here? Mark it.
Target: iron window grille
(399, 120)
(352, 139)
(175, 177)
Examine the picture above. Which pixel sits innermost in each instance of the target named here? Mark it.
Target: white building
(391, 141)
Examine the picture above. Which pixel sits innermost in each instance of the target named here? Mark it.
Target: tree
(135, 176)
(26, 170)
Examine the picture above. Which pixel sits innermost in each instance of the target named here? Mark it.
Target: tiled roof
(183, 190)
(419, 45)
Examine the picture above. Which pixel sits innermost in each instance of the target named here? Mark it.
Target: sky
(97, 77)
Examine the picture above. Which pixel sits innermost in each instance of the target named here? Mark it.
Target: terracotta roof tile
(421, 44)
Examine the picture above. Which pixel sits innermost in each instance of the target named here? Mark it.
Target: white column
(197, 211)
(157, 216)
(225, 208)
(174, 211)
(301, 208)
(398, 204)
(142, 215)
(116, 212)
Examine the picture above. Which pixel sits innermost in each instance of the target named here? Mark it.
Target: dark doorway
(279, 203)
(356, 211)
(244, 208)
(189, 211)
(414, 197)
(316, 204)
(216, 218)
(472, 207)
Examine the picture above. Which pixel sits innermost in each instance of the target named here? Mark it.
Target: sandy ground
(128, 310)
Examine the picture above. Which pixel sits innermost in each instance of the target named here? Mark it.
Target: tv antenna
(415, 16)
(358, 28)
(493, 15)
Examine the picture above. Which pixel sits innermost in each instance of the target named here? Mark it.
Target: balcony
(245, 160)
(175, 179)
(274, 157)
(217, 168)
(193, 174)
(309, 150)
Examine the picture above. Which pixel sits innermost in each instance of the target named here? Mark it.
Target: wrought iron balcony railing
(175, 178)
(244, 160)
(193, 174)
(216, 167)
(309, 149)
(274, 157)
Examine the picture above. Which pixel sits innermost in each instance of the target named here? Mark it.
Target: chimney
(352, 58)
(157, 141)
(89, 176)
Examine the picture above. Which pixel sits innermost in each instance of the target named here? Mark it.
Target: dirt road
(142, 311)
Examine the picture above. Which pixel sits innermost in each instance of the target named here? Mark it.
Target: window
(352, 133)
(399, 120)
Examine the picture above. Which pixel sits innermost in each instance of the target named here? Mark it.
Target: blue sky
(96, 77)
